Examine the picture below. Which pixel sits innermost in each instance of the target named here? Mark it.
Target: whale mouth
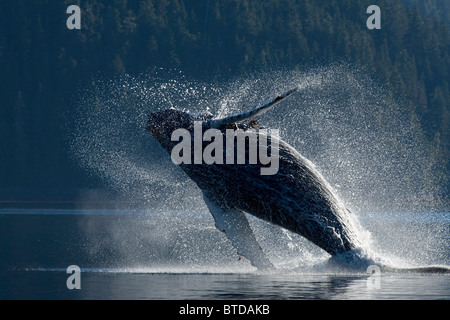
(155, 130)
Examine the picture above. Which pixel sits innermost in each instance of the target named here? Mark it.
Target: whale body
(296, 198)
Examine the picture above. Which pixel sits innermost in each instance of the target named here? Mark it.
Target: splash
(361, 139)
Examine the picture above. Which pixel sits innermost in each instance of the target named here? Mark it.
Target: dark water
(51, 284)
(144, 255)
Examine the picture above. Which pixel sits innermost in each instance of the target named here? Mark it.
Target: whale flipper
(236, 227)
(252, 113)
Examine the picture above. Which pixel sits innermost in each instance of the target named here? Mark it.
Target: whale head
(162, 123)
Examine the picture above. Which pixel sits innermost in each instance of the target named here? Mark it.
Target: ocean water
(126, 254)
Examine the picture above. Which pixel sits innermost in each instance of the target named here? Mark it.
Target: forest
(42, 62)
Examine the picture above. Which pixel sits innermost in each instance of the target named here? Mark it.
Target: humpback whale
(296, 198)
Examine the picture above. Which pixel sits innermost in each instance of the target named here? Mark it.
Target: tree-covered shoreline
(42, 62)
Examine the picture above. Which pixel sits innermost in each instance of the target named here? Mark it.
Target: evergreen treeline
(437, 8)
(41, 61)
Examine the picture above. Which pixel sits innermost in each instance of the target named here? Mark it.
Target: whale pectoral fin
(234, 224)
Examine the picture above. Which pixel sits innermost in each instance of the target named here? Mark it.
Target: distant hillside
(41, 61)
(433, 8)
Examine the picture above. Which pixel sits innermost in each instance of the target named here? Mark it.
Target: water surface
(180, 255)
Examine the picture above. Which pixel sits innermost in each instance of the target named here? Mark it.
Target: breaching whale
(296, 198)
